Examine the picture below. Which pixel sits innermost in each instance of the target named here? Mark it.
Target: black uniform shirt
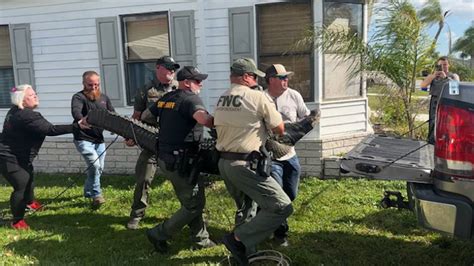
(175, 111)
(24, 131)
(80, 107)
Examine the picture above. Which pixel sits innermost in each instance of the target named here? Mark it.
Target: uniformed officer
(183, 114)
(242, 117)
(145, 167)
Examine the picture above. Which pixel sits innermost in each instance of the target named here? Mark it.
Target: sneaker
(20, 225)
(33, 206)
(133, 223)
(204, 244)
(97, 201)
(237, 249)
(160, 245)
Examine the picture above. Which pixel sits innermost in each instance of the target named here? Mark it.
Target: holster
(264, 164)
(261, 162)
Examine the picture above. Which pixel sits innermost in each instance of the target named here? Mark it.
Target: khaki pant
(243, 184)
(192, 201)
(145, 170)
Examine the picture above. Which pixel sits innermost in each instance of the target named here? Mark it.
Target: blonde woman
(24, 131)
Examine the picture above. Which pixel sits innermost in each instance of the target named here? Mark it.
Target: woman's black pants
(21, 179)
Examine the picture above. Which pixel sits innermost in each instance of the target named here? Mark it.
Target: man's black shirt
(177, 125)
(80, 107)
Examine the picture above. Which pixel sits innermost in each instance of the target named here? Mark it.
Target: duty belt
(236, 156)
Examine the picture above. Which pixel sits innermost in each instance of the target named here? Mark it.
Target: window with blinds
(7, 80)
(146, 38)
(279, 27)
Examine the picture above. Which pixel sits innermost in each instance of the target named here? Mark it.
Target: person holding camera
(243, 118)
(436, 81)
(184, 114)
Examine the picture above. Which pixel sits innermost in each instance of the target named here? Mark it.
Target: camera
(439, 68)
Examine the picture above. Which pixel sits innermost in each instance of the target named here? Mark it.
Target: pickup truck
(440, 177)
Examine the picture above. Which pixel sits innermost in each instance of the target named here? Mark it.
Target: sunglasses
(197, 81)
(282, 77)
(253, 75)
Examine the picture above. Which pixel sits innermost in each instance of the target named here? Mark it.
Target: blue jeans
(287, 174)
(90, 152)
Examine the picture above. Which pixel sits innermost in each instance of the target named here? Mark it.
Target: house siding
(64, 44)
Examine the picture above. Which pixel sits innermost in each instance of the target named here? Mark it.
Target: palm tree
(398, 49)
(431, 13)
(465, 44)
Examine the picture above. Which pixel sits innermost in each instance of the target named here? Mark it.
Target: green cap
(245, 65)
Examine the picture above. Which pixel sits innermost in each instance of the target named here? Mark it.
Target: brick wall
(318, 158)
(59, 155)
(314, 153)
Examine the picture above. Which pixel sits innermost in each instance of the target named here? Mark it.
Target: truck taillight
(454, 146)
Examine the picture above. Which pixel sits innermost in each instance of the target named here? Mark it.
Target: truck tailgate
(388, 158)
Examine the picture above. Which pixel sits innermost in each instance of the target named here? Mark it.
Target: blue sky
(461, 17)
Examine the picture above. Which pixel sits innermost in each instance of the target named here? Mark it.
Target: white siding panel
(342, 117)
(66, 24)
(54, 104)
(217, 49)
(90, 47)
(217, 67)
(65, 40)
(220, 74)
(36, 34)
(73, 88)
(219, 40)
(66, 65)
(55, 96)
(220, 58)
(60, 81)
(60, 73)
(217, 32)
(345, 128)
(65, 57)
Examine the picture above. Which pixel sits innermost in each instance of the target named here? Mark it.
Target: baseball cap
(168, 62)
(190, 72)
(277, 70)
(245, 65)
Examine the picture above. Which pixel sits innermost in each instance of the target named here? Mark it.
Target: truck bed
(389, 158)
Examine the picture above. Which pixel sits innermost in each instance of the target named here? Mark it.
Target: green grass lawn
(334, 223)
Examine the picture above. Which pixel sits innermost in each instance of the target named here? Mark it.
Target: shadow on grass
(121, 182)
(94, 238)
(341, 248)
(397, 222)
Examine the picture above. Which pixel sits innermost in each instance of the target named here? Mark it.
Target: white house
(49, 44)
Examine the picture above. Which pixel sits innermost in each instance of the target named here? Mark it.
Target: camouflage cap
(245, 65)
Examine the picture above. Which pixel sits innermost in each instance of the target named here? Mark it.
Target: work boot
(133, 223)
(160, 245)
(20, 225)
(237, 249)
(97, 202)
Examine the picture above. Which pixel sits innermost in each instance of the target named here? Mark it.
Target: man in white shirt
(286, 170)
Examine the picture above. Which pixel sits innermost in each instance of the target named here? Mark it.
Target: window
(7, 80)
(279, 26)
(341, 16)
(146, 38)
